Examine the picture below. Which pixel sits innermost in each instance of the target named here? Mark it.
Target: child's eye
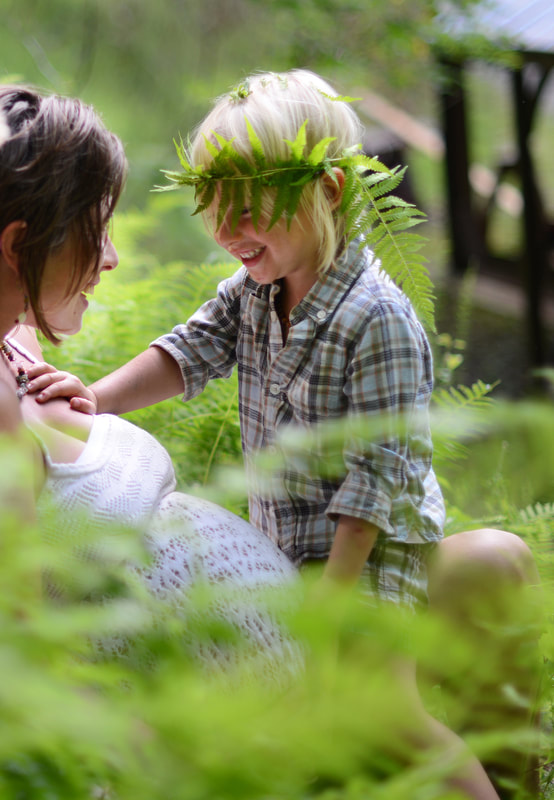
(245, 212)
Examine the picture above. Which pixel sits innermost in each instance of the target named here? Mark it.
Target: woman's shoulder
(26, 337)
(10, 416)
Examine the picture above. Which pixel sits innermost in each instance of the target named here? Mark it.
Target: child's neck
(292, 292)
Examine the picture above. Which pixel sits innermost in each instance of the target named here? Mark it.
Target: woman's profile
(61, 175)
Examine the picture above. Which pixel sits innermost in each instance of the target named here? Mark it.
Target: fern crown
(372, 213)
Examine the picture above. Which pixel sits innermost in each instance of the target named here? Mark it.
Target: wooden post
(460, 208)
(535, 256)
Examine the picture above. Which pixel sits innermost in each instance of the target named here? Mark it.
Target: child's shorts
(397, 573)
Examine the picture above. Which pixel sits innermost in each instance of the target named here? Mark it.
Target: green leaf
(320, 149)
(211, 148)
(341, 98)
(255, 200)
(297, 147)
(256, 145)
(280, 204)
(237, 202)
(224, 202)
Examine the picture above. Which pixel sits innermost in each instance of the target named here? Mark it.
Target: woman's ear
(9, 239)
(334, 187)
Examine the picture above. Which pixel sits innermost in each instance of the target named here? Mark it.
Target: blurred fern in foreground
(154, 724)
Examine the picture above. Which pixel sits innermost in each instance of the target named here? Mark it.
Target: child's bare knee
(495, 556)
(485, 576)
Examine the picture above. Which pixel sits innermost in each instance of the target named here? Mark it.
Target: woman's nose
(110, 259)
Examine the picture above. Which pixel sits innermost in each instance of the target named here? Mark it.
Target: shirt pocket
(316, 391)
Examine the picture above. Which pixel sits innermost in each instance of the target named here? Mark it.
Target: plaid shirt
(355, 350)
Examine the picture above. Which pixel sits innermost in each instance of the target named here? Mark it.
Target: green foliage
(458, 35)
(504, 469)
(242, 182)
(152, 69)
(456, 421)
(76, 726)
(153, 723)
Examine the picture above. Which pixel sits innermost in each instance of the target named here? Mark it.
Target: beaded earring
(21, 318)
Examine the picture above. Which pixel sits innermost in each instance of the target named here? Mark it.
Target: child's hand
(49, 383)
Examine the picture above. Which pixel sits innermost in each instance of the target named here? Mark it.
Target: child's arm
(352, 545)
(150, 377)
(207, 342)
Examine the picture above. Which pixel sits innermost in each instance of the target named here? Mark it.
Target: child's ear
(334, 188)
(9, 239)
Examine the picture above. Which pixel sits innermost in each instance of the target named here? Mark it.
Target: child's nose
(226, 233)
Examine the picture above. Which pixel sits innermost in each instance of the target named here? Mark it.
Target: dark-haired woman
(61, 174)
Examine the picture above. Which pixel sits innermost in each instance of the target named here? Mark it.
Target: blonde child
(318, 333)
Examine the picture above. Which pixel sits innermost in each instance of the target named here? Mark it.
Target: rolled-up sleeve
(387, 386)
(205, 346)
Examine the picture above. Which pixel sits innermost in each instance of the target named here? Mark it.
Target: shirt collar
(334, 283)
(329, 289)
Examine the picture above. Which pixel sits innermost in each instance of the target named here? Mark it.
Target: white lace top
(124, 479)
(124, 476)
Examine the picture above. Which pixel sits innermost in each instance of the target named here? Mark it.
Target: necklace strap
(21, 378)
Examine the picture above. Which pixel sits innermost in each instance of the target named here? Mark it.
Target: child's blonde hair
(277, 105)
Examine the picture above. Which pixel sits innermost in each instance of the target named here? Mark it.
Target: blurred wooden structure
(527, 29)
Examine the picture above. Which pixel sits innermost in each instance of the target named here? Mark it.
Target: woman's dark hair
(61, 172)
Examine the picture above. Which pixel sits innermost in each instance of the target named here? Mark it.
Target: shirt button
(274, 388)
(321, 315)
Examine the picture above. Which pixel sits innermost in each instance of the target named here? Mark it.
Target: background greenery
(152, 69)
(76, 728)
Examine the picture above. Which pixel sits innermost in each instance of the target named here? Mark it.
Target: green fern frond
(536, 512)
(362, 162)
(456, 419)
(449, 450)
(456, 397)
(237, 202)
(341, 98)
(319, 151)
(373, 214)
(256, 145)
(255, 200)
(384, 231)
(298, 146)
(281, 203)
(224, 201)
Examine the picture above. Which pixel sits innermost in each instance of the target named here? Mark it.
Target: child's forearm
(149, 378)
(353, 542)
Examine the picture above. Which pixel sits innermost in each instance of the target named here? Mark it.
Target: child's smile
(280, 253)
(251, 255)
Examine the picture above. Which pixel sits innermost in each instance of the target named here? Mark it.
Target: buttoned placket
(280, 362)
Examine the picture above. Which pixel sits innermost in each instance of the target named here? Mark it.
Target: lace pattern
(197, 549)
